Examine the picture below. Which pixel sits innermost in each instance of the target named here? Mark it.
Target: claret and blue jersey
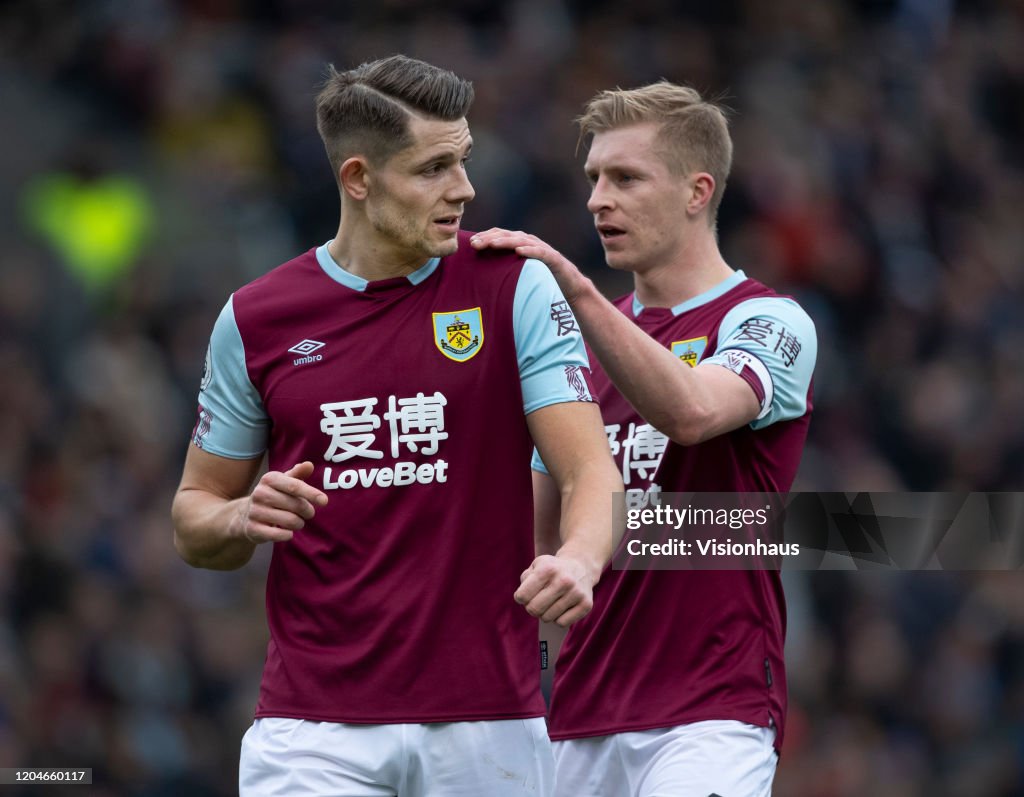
(664, 648)
(546, 336)
(410, 396)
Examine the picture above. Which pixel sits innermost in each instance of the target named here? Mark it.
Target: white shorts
(503, 758)
(717, 757)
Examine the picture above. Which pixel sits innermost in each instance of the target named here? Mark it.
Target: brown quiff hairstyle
(366, 110)
(694, 133)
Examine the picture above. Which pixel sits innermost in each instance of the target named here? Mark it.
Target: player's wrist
(589, 563)
(580, 292)
(238, 527)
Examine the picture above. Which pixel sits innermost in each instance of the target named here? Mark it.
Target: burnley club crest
(459, 335)
(690, 351)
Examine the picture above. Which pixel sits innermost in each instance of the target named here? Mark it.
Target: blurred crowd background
(156, 154)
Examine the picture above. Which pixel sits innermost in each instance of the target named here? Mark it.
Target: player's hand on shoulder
(524, 244)
(280, 505)
(569, 278)
(500, 238)
(557, 589)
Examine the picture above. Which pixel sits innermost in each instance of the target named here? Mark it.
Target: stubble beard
(401, 233)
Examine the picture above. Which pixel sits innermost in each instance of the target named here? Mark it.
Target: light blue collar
(350, 280)
(709, 295)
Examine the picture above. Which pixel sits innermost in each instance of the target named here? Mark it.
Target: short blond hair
(694, 133)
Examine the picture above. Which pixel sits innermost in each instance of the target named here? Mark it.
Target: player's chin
(617, 261)
(445, 247)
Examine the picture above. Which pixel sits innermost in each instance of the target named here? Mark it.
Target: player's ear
(354, 177)
(702, 188)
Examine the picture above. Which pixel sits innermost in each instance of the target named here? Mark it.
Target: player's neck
(697, 269)
(370, 258)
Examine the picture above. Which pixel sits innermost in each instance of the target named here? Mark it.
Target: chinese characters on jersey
(763, 332)
(563, 317)
(641, 451)
(415, 424)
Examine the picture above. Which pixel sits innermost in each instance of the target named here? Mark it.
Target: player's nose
(462, 190)
(600, 198)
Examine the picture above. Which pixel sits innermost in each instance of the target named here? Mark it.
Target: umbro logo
(306, 348)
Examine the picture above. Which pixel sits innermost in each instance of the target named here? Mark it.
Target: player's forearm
(208, 530)
(589, 528)
(661, 388)
(547, 515)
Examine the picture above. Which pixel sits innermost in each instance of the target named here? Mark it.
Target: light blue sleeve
(232, 420)
(777, 340)
(553, 364)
